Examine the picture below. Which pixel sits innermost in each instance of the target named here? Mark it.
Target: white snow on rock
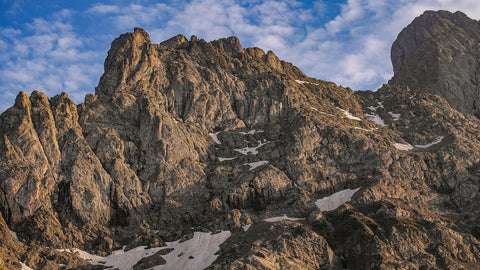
(395, 116)
(251, 150)
(25, 267)
(196, 253)
(254, 165)
(284, 217)
(215, 137)
(407, 147)
(14, 234)
(201, 249)
(349, 115)
(333, 201)
(376, 119)
(315, 109)
(404, 147)
(120, 259)
(329, 114)
(374, 109)
(300, 82)
(246, 227)
(84, 255)
(364, 129)
(436, 141)
(253, 131)
(226, 159)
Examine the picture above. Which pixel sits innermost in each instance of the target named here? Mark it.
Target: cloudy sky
(56, 46)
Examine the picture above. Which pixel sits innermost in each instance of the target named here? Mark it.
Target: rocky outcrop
(189, 135)
(281, 245)
(439, 53)
(10, 247)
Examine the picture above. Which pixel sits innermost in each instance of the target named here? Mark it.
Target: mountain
(186, 138)
(439, 53)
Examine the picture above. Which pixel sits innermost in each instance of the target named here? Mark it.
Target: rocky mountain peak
(231, 44)
(204, 141)
(439, 53)
(22, 101)
(175, 41)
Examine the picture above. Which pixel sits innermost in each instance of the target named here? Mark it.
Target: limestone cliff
(439, 53)
(189, 135)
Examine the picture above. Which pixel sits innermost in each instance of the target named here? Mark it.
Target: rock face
(439, 53)
(189, 135)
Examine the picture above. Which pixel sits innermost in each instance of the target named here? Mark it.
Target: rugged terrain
(188, 135)
(439, 53)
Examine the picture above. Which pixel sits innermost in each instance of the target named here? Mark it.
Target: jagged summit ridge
(182, 73)
(187, 136)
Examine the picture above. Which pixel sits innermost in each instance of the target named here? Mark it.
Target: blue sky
(56, 46)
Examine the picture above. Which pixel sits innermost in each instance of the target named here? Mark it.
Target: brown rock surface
(189, 136)
(439, 53)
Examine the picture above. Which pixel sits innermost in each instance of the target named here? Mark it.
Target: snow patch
(315, 109)
(374, 109)
(246, 227)
(25, 267)
(349, 115)
(407, 147)
(196, 253)
(284, 217)
(302, 82)
(327, 113)
(14, 234)
(377, 119)
(215, 137)
(201, 249)
(255, 165)
(253, 131)
(436, 141)
(403, 147)
(364, 129)
(333, 201)
(226, 159)
(251, 150)
(84, 255)
(395, 116)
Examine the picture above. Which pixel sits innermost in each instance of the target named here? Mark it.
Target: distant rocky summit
(210, 155)
(439, 53)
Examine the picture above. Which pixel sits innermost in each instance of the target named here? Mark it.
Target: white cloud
(104, 9)
(351, 11)
(47, 56)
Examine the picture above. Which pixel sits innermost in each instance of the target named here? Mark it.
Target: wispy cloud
(47, 56)
(104, 9)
